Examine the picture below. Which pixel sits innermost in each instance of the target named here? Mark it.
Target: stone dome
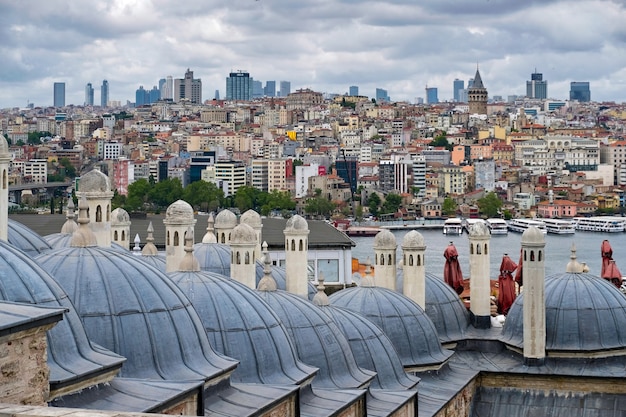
(251, 218)
(26, 239)
(385, 240)
(479, 229)
(413, 240)
(136, 311)
(372, 349)
(179, 212)
(533, 235)
(94, 181)
(444, 307)
(241, 325)
(243, 234)
(296, 223)
(318, 339)
(120, 217)
(213, 257)
(64, 240)
(4, 147)
(225, 219)
(71, 356)
(584, 314)
(411, 331)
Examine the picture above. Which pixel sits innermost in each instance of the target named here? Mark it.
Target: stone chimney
(414, 267)
(385, 259)
(480, 280)
(296, 256)
(533, 256)
(178, 221)
(243, 256)
(96, 188)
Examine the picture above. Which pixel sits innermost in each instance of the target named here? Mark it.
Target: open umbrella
(612, 274)
(607, 256)
(506, 285)
(452, 269)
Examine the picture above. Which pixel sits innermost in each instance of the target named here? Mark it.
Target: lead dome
(94, 181)
(251, 218)
(479, 229)
(4, 146)
(385, 240)
(243, 233)
(179, 211)
(225, 219)
(413, 240)
(119, 216)
(296, 223)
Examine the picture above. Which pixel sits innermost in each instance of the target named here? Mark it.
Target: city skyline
(398, 46)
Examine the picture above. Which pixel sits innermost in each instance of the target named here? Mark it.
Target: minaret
(149, 249)
(70, 224)
(120, 227)
(225, 222)
(480, 280)
(178, 222)
(253, 219)
(5, 159)
(533, 255)
(385, 259)
(96, 188)
(414, 267)
(243, 258)
(209, 236)
(296, 255)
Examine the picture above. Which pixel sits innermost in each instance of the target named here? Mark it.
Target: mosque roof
(4, 146)
(225, 219)
(94, 181)
(251, 218)
(411, 331)
(213, 257)
(119, 216)
(26, 239)
(296, 223)
(64, 240)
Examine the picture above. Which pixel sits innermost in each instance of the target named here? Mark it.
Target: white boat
(497, 226)
(467, 223)
(453, 226)
(520, 225)
(559, 226)
(605, 224)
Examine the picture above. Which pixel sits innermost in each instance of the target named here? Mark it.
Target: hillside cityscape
(328, 155)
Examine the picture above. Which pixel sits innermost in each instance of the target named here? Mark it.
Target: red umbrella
(612, 274)
(607, 256)
(506, 285)
(452, 270)
(519, 276)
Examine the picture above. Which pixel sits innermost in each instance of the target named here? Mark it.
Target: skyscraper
(239, 86)
(285, 88)
(59, 94)
(579, 90)
(104, 94)
(88, 95)
(537, 87)
(188, 88)
(381, 95)
(257, 89)
(270, 89)
(457, 88)
(432, 95)
(141, 96)
(353, 90)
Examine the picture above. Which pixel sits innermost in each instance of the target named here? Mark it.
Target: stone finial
(209, 236)
(573, 266)
(189, 262)
(149, 248)
(267, 283)
(368, 279)
(70, 225)
(320, 299)
(83, 236)
(137, 248)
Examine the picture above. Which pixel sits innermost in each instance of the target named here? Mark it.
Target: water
(557, 250)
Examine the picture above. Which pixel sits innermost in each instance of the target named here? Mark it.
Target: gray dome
(533, 235)
(243, 233)
(297, 223)
(179, 211)
(213, 257)
(225, 219)
(157, 261)
(385, 240)
(405, 323)
(318, 339)
(444, 307)
(280, 277)
(26, 239)
(479, 229)
(4, 147)
(94, 181)
(241, 325)
(413, 240)
(251, 218)
(584, 313)
(136, 311)
(119, 216)
(372, 349)
(64, 240)
(71, 356)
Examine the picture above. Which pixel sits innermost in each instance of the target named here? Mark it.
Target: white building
(303, 173)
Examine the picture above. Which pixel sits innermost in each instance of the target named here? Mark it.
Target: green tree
(441, 141)
(319, 206)
(70, 171)
(392, 203)
(489, 205)
(246, 198)
(449, 206)
(118, 200)
(296, 163)
(166, 192)
(204, 196)
(138, 195)
(373, 203)
(35, 137)
(277, 200)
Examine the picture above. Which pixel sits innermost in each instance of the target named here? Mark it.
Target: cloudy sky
(325, 45)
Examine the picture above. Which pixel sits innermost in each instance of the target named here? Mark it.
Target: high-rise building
(457, 88)
(88, 95)
(59, 95)
(477, 96)
(166, 88)
(257, 89)
(154, 94)
(285, 88)
(537, 87)
(270, 89)
(579, 90)
(432, 95)
(162, 83)
(188, 88)
(141, 96)
(217, 95)
(104, 94)
(239, 86)
(382, 96)
(353, 90)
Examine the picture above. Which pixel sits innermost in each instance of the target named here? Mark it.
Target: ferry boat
(559, 226)
(453, 226)
(605, 224)
(497, 226)
(467, 223)
(520, 225)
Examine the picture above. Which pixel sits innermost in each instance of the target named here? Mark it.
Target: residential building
(303, 99)
(59, 95)
(36, 171)
(123, 175)
(104, 94)
(111, 150)
(259, 174)
(537, 87)
(484, 175)
(88, 95)
(419, 174)
(279, 171)
(524, 201)
(579, 91)
(452, 180)
(232, 174)
(303, 173)
(614, 154)
(188, 88)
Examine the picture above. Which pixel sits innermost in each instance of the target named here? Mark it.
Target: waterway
(557, 250)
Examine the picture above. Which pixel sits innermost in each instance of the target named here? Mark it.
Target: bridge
(48, 188)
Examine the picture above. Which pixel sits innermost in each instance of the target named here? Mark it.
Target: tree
(204, 196)
(392, 203)
(449, 206)
(118, 200)
(166, 192)
(35, 137)
(70, 171)
(489, 205)
(441, 141)
(296, 163)
(277, 200)
(319, 206)
(373, 203)
(138, 192)
(246, 198)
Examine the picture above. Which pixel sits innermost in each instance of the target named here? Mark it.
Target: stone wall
(461, 404)
(284, 409)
